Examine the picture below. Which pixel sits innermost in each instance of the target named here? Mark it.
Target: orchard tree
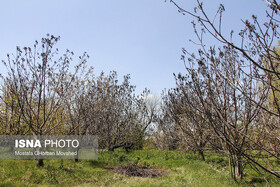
(37, 78)
(192, 126)
(259, 65)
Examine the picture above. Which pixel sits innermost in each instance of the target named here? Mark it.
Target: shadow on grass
(98, 164)
(256, 180)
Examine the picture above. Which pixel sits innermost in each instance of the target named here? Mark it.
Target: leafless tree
(38, 83)
(259, 66)
(102, 106)
(191, 125)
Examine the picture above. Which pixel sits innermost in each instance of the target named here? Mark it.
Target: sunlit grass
(183, 169)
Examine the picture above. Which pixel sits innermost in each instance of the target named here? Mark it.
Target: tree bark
(201, 155)
(238, 170)
(40, 162)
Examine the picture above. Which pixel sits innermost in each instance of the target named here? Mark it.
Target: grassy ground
(183, 169)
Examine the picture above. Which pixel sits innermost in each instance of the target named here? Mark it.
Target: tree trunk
(201, 155)
(230, 165)
(40, 162)
(238, 170)
(76, 157)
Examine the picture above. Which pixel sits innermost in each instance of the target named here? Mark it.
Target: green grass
(183, 169)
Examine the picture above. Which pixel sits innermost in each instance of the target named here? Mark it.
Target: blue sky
(143, 38)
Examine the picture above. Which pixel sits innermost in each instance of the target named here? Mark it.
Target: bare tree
(259, 66)
(193, 130)
(102, 106)
(38, 82)
(230, 113)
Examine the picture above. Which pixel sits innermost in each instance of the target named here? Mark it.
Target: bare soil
(134, 170)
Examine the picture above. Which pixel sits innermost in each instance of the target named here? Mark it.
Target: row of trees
(229, 98)
(41, 95)
(227, 101)
(211, 112)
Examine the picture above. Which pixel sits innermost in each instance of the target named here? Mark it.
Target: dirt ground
(138, 171)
